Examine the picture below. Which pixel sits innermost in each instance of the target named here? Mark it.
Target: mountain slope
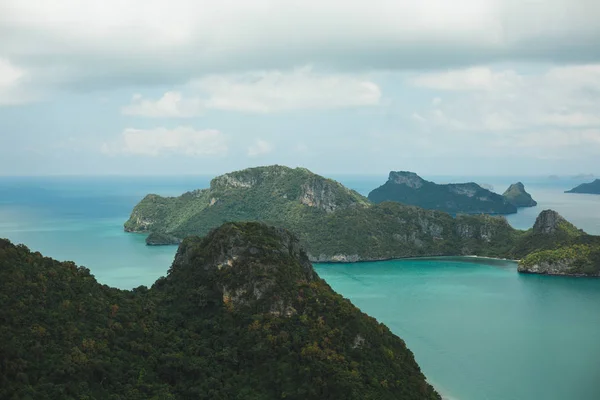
(241, 314)
(467, 198)
(517, 196)
(589, 188)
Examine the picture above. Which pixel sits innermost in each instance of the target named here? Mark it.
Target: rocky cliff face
(249, 263)
(407, 178)
(516, 195)
(549, 222)
(250, 177)
(325, 195)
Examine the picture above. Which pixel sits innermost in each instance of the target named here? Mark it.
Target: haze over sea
(478, 329)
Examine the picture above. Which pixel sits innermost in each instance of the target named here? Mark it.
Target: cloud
(263, 92)
(473, 78)
(83, 45)
(484, 99)
(557, 110)
(161, 141)
(12, 79)
(171, 104)
(259, 148)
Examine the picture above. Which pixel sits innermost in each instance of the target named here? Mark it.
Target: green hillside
(241, 315)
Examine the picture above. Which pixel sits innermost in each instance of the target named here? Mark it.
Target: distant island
(241, 314)
(454, 198)
(336, 224)
(589, 188)
(517, 196)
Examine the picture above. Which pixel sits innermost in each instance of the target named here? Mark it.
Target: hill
(456, 198)
(336, 224)
(589, 188)
(333, 222)
(518, 196)
(241, 314)
(554, 246)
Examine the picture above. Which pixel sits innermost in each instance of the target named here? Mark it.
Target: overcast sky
(469, 87)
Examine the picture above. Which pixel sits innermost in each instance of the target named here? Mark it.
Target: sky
(132, 87)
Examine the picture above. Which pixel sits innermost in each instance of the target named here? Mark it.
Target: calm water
(479, 331)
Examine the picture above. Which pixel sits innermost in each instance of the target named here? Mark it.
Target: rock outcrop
(549, 222)
(456, 198)
(517, 196)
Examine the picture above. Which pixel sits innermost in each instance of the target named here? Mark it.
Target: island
(241, 314)
(517, 196)
(455, 198)
(336, 224)
(589, 188)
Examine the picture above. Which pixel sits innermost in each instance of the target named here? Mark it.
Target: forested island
(336, 224)
(241, 314)
(588, 188)
(454, 198)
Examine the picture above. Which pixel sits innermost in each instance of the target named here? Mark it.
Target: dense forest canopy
(240, 315)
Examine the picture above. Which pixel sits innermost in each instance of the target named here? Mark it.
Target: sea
(478, 329)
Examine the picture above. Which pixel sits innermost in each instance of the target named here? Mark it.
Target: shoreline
(432, 257)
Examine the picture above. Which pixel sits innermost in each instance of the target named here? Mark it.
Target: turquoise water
(81, 219)
(479, 330)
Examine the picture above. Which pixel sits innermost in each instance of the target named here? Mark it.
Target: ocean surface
(478, 329)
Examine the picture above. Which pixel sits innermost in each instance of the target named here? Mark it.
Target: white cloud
(11, 84)
(488, 100)
(159, 141)
(278, 91)
(263, 92)
(259, 148)
(171, 104)
(473, 78)
(547, 114)
(123, 42)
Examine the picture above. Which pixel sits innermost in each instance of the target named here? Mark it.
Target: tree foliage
(240, 315)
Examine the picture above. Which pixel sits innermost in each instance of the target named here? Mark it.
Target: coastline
(431, 257)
